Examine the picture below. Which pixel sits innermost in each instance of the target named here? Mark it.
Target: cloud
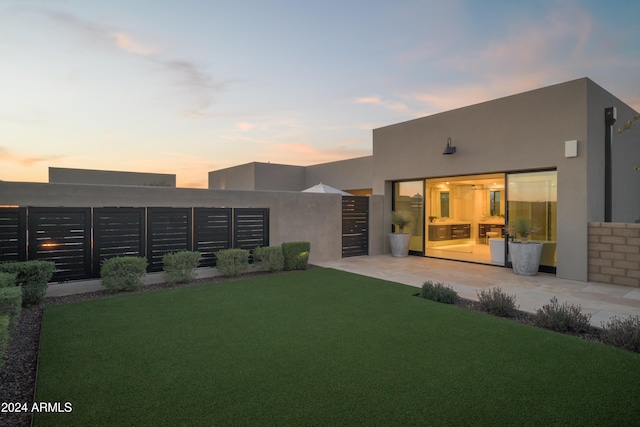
(197, 84)
(529, 55)
(7, 156)
(244, 126)
(376, 100)
(128, 43)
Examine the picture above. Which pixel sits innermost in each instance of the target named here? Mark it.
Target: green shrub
(4, 337)
(11, 304)
(270, 258)
(562, 318)
(180, 267)
(439, 292)
(32, 277)
(232, 262)
(123, 273)
(623, 333)
(7, 279)
(296, 255)
(495, 301)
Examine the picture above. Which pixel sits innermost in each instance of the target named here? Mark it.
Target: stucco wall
(90, 176)
(294, 216)
(241, 177)
(351, 174)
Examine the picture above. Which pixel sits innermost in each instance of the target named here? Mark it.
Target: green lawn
(319, 347)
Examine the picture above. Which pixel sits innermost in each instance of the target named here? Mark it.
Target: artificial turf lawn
(319, 347)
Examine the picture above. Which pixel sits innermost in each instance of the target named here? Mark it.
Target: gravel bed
(18, 377)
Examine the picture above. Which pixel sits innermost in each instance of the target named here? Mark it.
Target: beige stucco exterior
(102, 177)
(523, 132)
(519, 133)
(351, 174)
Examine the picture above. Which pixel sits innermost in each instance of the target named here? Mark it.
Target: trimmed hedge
(270, 258)
(32, 277)
(180, 267)
(7, 279)
(296, 255)
(11, 304)
(4, 337)
(123, 273)
(232, 262)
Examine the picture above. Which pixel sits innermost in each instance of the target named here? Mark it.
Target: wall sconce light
(449, 149)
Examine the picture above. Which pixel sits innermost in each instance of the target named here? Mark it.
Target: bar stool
(491, 235)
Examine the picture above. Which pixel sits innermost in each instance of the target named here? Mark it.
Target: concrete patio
(532, 292)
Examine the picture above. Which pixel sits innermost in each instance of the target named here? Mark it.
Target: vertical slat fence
(13, 234)
(117, 232)
(63, 236)
(169, 230)
(211, 233)
(355, 226)
(251, 228)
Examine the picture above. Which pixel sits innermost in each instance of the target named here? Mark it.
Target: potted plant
(400, 240)
(525, 255)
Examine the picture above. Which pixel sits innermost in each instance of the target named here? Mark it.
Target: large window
(408, 196)
(534, 196)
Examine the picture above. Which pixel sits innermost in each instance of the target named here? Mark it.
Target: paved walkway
(532, 292)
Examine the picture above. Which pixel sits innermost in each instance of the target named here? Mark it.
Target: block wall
(614, 253)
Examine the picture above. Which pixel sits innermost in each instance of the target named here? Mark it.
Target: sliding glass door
(408, 196)
(534, 196)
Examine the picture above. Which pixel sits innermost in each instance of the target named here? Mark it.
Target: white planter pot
(525, 257)
(399, 243)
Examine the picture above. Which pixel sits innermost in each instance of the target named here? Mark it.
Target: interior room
(465, 218)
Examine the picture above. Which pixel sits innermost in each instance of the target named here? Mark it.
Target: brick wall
(614, 253)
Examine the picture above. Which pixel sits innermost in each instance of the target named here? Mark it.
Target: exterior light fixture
(449, 149)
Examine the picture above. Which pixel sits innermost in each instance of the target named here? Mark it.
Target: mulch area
(18, 377)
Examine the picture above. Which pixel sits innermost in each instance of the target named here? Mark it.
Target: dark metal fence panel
(62, 235)
(13, 234)
(117, 232)
(251, 228)
(168, 230)
(355, 226)
(211, 233)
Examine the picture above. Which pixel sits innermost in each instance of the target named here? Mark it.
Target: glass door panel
(534, 196)
(408, 197)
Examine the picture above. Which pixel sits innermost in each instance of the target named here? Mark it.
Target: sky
(191, 86)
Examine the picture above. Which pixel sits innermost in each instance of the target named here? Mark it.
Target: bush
(296, 255)
(623, 333)
(180, 267)
(32, 277)
(270, 258)
(4, 337)
(123, 273)
(7, 279)
(11, 304)
(562, 318)
(232, 262)
(439, 292)
(495, 301)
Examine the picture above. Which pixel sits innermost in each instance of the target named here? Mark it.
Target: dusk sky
(191, 86)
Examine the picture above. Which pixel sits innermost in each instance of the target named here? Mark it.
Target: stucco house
(551, 155)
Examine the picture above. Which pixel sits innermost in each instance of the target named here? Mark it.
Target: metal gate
(355, 226)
